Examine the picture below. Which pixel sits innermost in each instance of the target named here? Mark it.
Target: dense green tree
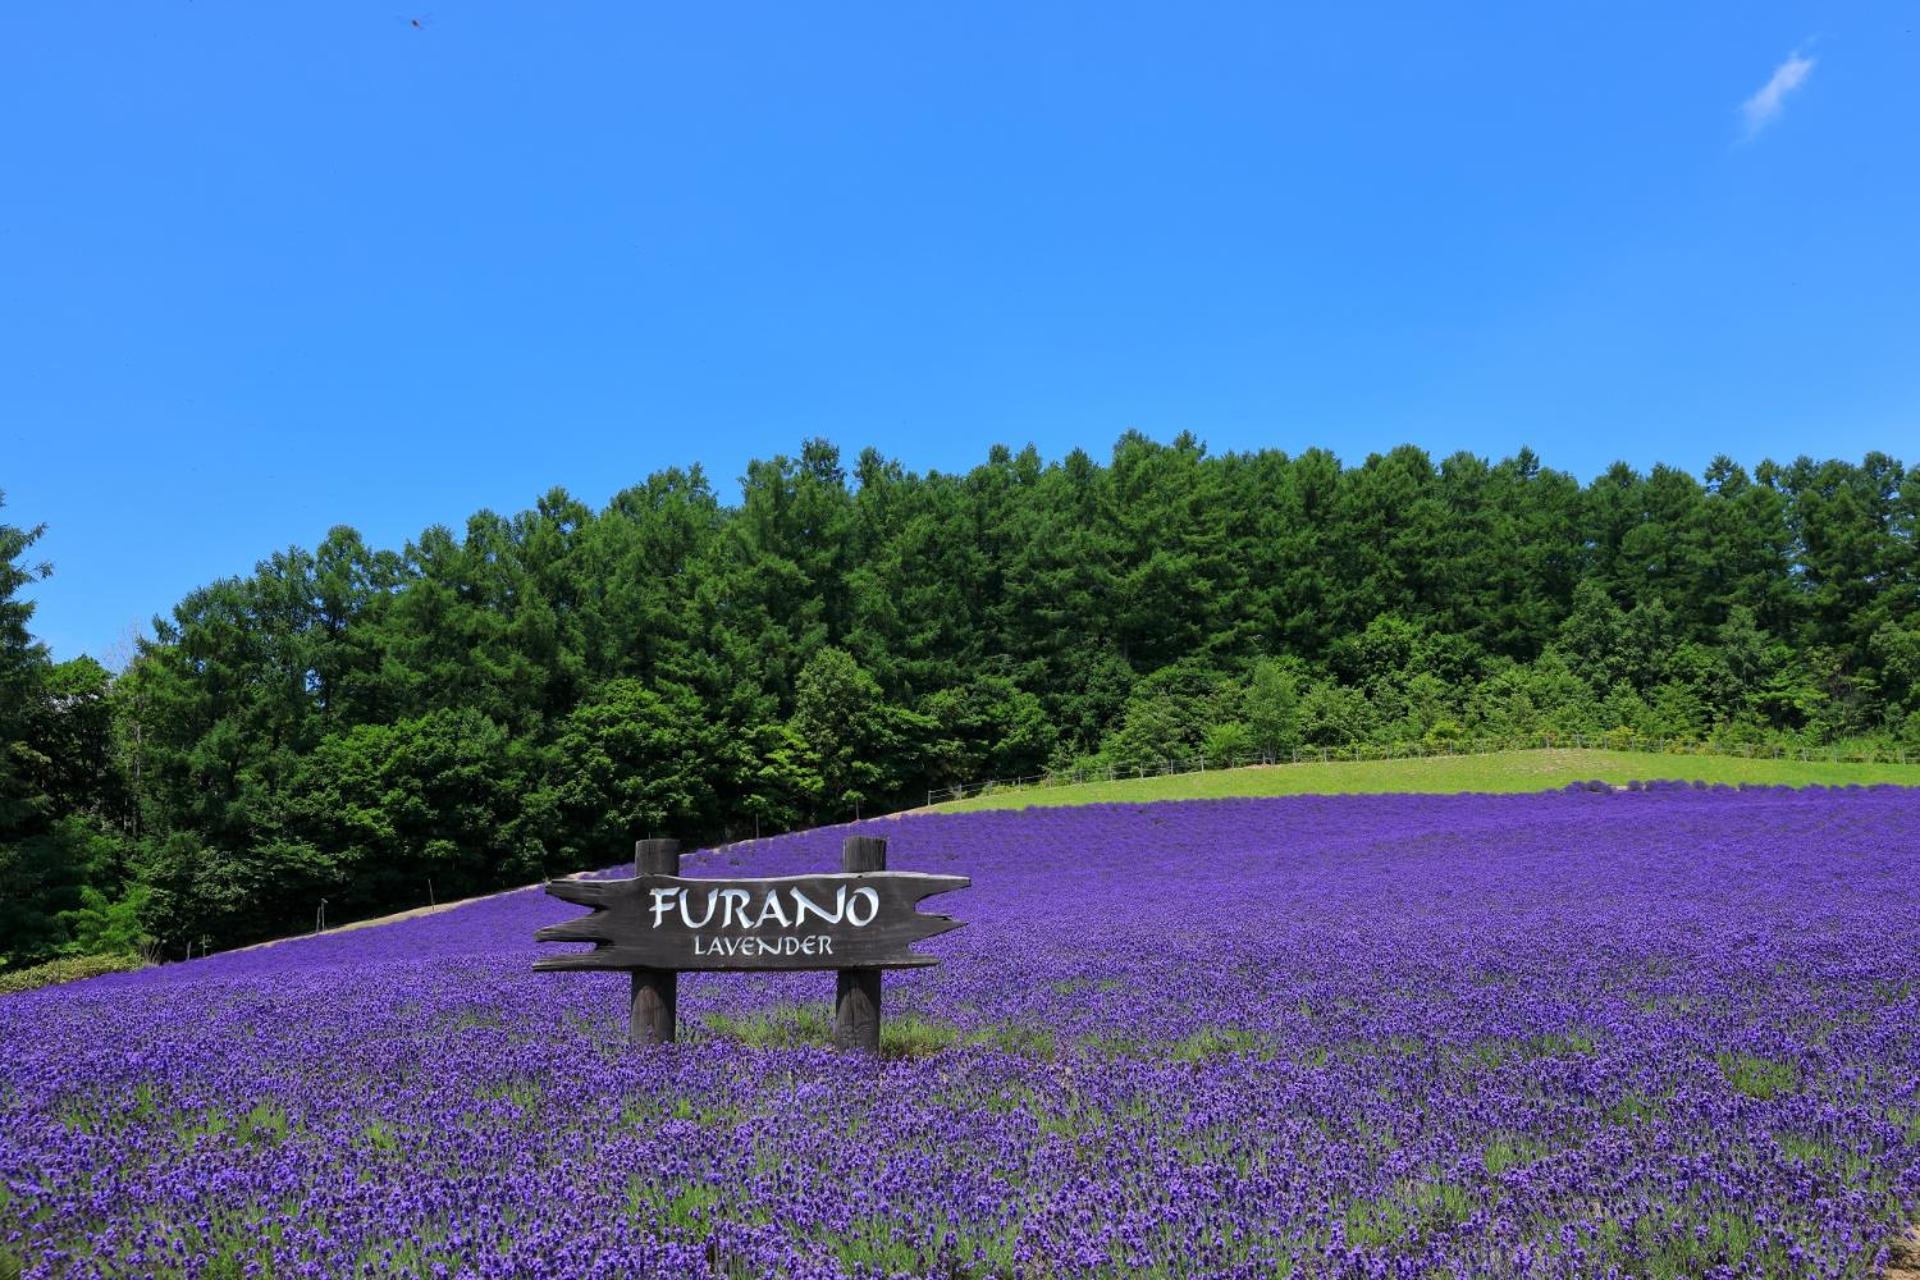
(1272, 707)
(851, 742)
(527, 693)
(988, 727)
(38, 873)
(384, 811)
(1333, 715)
(630, 761)
(1169, 715)
(1895, 648)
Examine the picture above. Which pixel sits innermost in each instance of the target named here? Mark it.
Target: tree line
(377, 726)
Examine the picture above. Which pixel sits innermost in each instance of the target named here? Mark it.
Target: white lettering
(732, 900)
(663, 903)
(772, 907)
(686, 917)
(872, 897)
(802, 904)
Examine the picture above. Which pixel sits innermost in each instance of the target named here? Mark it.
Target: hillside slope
(1502, 772)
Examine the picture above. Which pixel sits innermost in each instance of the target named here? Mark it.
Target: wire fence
(1362, 752)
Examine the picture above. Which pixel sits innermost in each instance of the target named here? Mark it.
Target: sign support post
(656, 992)
(856, 993)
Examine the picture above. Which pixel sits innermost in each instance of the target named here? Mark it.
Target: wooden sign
(857, 922)
(861, 921)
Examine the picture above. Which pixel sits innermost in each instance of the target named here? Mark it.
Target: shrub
(67, 969)
(1618, 738)
(1229, 743)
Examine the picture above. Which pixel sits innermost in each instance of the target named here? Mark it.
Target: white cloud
(1764, 107)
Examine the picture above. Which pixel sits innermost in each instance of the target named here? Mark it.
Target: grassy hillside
(1500, 771)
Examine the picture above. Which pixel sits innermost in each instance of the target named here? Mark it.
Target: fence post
(856, 994)
(656, 992)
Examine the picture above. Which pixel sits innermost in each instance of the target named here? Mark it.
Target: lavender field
(1660, 1032)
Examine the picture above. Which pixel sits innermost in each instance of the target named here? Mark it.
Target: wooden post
(856, 995)
(656, 992)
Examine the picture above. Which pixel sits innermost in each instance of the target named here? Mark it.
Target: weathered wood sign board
(864, 920)
(857, 922)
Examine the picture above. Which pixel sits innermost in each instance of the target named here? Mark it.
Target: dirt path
(1905, 1263)
(417, 912)
(438, 907)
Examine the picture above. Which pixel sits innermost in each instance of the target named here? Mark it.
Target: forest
(374, 728)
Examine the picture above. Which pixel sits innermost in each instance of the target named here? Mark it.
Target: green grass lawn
(1499, 771)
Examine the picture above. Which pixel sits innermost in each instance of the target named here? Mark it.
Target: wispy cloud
(1764, 107)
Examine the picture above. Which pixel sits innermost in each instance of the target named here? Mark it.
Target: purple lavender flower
(1661, 1032)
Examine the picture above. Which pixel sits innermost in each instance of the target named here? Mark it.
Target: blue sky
(269, 268)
